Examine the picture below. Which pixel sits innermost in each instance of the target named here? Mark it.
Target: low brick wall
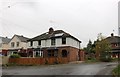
(37, 61)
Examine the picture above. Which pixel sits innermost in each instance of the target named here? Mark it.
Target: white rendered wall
(47, 43)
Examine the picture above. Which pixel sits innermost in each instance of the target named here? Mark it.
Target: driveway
(100, 68)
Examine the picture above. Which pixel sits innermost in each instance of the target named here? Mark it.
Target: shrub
(105, 57)
(15, 56)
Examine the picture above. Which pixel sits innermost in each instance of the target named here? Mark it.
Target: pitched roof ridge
(21, 36)
(113, 36)
(5, 39)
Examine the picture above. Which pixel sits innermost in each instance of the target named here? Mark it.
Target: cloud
(83, 19)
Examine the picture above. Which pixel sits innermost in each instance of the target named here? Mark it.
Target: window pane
(39, 42)
(52, 53)
(53, 41)
(12, 44)
(17, 44)
(64, 40)
(31, 43)
(64, 53)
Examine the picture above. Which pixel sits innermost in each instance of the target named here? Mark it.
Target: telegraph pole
(118, 34)
(119, 18)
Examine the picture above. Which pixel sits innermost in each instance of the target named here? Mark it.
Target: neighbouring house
(4, 49)
(18, 45)
(4, 45)
(115, 45)
(55, 44)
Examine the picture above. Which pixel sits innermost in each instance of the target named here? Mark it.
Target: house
(18, 44)
(4, 45)
(55, 44)
(4, 49)
(115, 45)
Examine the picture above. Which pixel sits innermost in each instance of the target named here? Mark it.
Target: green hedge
(15, 56)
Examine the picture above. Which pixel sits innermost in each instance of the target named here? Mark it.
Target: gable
(19, 38)
(15, 39)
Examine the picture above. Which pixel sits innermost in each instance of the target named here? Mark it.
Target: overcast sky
(83, 19)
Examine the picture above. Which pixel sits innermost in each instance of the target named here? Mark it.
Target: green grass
(116, 71)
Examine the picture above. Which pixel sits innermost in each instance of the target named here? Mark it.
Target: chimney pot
(112, 34)
(51, 30)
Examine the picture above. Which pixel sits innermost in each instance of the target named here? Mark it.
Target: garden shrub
(15, 56)
(105, 57)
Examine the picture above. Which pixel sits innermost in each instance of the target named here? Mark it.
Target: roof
(21, 38)
(113, 39)
(5, 40)
(54, 34)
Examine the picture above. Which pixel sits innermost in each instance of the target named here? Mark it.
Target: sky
(84, 19)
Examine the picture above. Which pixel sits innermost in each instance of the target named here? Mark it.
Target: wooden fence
(37, 61)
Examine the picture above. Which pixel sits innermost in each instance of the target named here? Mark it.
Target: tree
(89, 46)
(102, 49)
(90, 50)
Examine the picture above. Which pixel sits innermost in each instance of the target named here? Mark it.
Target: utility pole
(119, 18)
(118, 34)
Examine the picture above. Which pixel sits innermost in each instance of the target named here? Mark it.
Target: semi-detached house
(18, 45)
(56, 44)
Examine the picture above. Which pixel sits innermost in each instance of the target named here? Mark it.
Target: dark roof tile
(5, 40)
(22, 38)
(55, 34)
(113, 39)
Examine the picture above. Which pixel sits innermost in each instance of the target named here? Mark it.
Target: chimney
(112, 34)
(51, 30)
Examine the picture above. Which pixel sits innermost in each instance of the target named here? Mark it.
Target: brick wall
(73, 55)
(82, 55)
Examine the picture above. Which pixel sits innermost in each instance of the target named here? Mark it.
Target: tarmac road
(100, 68)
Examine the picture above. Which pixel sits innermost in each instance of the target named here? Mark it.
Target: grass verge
(116, 71)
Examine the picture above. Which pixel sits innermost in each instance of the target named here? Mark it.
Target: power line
(8, 6)
(16, 25)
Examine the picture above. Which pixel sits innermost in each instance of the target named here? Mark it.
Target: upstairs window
(12, 44)
(63, 40)
(39, 42)
(31, 43)
(17, 44)
(53, 41)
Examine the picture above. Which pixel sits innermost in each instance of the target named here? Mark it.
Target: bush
(15, 56)
(105, 57)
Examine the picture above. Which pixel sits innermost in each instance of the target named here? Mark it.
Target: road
(100, 68)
